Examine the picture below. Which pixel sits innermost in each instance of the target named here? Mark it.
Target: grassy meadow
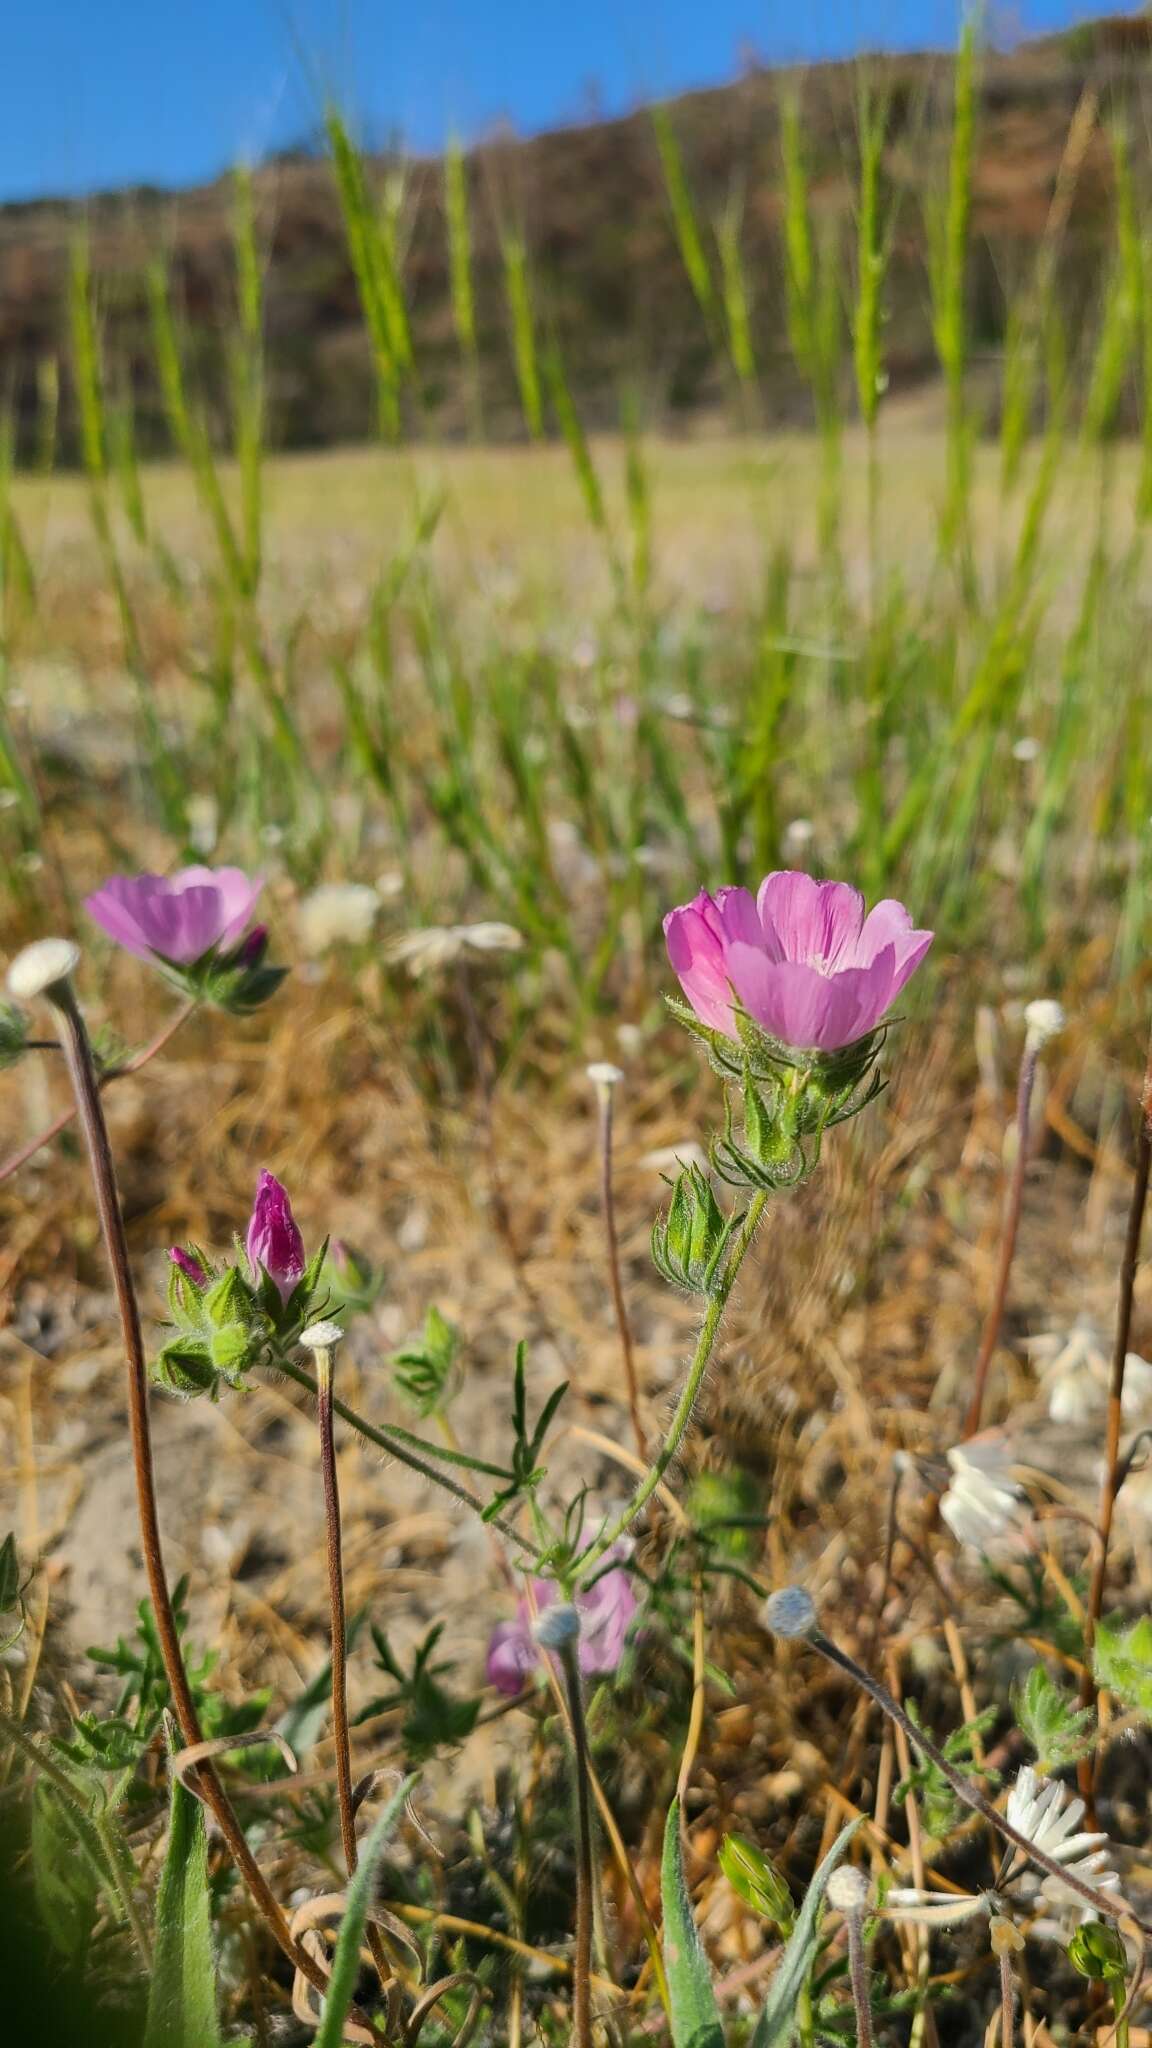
(480, 716)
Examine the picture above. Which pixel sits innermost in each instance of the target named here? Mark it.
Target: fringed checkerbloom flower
(801, 959)
(179, 917)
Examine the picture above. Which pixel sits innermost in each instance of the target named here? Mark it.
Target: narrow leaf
(695, 2018)
(346, 1961)
(777, 2022)
(182, 1993)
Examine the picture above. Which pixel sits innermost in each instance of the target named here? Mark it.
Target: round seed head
(603, 1074)
(321, 1336)
(1043, 1020)
(790, 1612)
(42, 967)
(557, 1627)
(847, 1889)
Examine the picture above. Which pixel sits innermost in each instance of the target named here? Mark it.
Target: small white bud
(1044, 1020)
(42, 967)
(557, 1627)
(790, 1612)
(847, 1889)
(321, 1336)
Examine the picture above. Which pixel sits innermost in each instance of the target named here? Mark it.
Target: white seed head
(603, 1075)
(1044, 1020)
(557, 1627)
(847, 1889)
(321, 1336)
(790, 1612)
(42, 967)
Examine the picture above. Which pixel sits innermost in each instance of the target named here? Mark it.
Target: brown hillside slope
(607, 278)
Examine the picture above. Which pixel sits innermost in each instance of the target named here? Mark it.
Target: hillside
(607, 278)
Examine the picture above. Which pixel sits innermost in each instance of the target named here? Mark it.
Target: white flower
(1045, 1812)
(1075, 1369)
(934, 1909)
(982, 1501)
(336, 913)
(440, 944)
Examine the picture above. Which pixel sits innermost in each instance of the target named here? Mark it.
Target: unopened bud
(847, 1889)
(1097, 1951)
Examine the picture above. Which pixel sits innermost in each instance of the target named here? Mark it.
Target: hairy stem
(858, 1977)
(1112, 1477)
(582, 1961)
(133, 1065)
(684, 1406)
(400, 1450)
(1008, 1237)
(623, 1325)
(86, 1087)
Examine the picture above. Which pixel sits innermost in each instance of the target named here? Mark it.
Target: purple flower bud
(189, 1266)
(250, 952)
(274, 1241)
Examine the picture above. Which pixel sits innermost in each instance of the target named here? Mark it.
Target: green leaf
(1057, 1729)
(65, 1872)
(346, 1961)
(695, 2018)
(1123, 1662)
(182, 1993)
(777, 2023)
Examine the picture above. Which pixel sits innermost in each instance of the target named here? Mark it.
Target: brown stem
(341, 1739)
(582, 1960)
(139, 1059)
(1113, 1470)
(1008, 1237)
(623, 1324)
(86, 1087)
(858, 1977)
(1007, 2000)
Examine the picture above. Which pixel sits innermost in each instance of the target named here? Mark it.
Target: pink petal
(114, 907)
(236, 897)
(809, 921)
(888, 924)
(512, 1655)
(696, 951)
(810, 1011)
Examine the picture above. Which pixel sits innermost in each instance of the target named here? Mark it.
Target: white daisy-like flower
(983, 1502)
(1076, 1367)
(424, 952)
(1049, 1815)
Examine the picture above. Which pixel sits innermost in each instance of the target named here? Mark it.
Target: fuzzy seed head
(1043, 1020)
(847, 1889)
(604, 1075)
(790, 1612)
(42, 967)
(557, 1627)
(321, 1336)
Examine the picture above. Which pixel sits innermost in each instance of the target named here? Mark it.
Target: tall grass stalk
(947, 221)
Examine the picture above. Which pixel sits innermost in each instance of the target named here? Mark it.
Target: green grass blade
(346, 1961)
(695, 2015)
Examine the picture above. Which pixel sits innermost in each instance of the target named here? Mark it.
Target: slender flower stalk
(848, 1894)
(321, 1340)
(790, 1613)
(132, 1065)
(1044, 1020)
(605, 1079)
(1007, 1941)
(1113, 1471)
(45, 969)
(558, 1629)
(705, 1344)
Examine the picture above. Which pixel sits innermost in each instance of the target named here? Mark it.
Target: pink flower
(801, 958)
(188, 1265)
(607, 1611)
(274, 1241)
(178, 917)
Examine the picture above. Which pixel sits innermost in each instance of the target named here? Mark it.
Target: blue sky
(109, 92)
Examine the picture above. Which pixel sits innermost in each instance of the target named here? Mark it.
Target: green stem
(386, 1441)
(687, 1402)
(1119, 1990)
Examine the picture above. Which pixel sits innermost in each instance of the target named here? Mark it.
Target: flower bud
(1043, 1020)
(274, 1244)
(690, 1242)
(755, 1880)
(1097, 1951)
(186, 1263)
